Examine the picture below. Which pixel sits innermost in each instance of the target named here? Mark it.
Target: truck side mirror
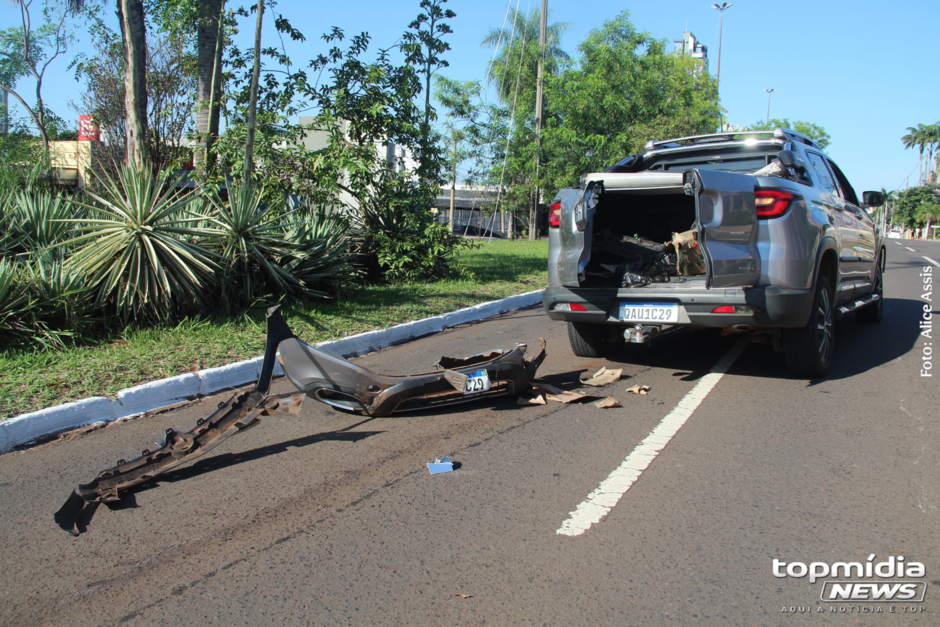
(872, 199)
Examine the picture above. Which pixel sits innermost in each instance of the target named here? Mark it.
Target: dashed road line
(932, 261)
(910, 249)
(601, 501)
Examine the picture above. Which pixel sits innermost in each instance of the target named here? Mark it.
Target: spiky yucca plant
(15, 303)
(134, 246)
(267, 250)
(42, 219)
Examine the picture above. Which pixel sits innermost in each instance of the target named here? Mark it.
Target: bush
(399, 239)
(41, 303)
(137, 246)
(267, 251)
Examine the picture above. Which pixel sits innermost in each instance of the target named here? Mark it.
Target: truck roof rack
(777, 133)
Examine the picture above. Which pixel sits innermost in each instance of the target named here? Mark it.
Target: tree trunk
(209, 43)
(134, 35)
(539, 109)
(253, 97)
(453, 187)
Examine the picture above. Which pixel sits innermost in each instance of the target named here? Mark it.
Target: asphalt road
(328, 519)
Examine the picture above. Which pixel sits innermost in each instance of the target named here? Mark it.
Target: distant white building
(401, 158)
(689, 46)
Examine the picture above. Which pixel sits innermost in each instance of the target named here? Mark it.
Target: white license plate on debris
(654, 313)
(477, 382)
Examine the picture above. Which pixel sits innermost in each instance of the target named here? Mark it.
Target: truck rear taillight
(554, 215)
(772, 203)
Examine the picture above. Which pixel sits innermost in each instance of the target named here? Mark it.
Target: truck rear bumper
(770, 306)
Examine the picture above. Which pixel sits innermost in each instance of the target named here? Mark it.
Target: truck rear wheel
(594, 340)
(808, 350)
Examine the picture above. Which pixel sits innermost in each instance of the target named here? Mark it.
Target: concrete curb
(27, 428)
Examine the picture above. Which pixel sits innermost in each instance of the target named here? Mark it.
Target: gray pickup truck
(755, 232)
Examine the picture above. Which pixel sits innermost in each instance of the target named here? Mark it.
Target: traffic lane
(930, 248)
(279, 476)
(773, 466)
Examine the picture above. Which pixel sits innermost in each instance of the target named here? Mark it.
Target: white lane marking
(899, 243)
(910, 249)
(932, 261)
(601, 501)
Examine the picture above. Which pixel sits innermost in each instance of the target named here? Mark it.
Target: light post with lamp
(769, 91)
(724, 6)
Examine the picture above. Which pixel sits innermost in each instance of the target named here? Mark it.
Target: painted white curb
(26, 428)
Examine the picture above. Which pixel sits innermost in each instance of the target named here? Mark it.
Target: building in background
(689, 46)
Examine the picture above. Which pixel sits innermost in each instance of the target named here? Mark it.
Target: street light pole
(721, 24)
(769, 91)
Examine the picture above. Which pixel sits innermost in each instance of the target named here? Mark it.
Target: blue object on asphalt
(441, 465)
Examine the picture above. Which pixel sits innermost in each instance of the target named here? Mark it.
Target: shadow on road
(859, 348)
(226, 460)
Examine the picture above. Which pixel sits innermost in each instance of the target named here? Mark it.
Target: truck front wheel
(594, 340)
(809, 350)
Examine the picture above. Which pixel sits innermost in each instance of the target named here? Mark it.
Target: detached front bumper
(769, 306)
(351, 387)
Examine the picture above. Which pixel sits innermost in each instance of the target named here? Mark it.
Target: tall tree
(134, 37)
(517, 55)
(210, 38)
(253, 98)
(915, 139)
(625, 90)
(170, 84)
(931, 139)
(423, 46)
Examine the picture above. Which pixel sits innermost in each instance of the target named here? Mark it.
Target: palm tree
(931, 139)
(517, 44)
(915, 139)
(928, 212)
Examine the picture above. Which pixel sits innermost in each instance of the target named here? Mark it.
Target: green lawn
(35, 380)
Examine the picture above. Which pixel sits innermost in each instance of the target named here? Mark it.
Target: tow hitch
(322, 376)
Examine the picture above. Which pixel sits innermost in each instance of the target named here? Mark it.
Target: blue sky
(864, 70)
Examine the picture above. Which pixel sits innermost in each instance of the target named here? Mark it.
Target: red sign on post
(87, 131)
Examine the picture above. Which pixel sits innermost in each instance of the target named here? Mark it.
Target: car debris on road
(603, 377)
(639, 389)
(322, 376)
(441, 464)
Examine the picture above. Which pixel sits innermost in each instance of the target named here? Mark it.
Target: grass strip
(38, 379)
